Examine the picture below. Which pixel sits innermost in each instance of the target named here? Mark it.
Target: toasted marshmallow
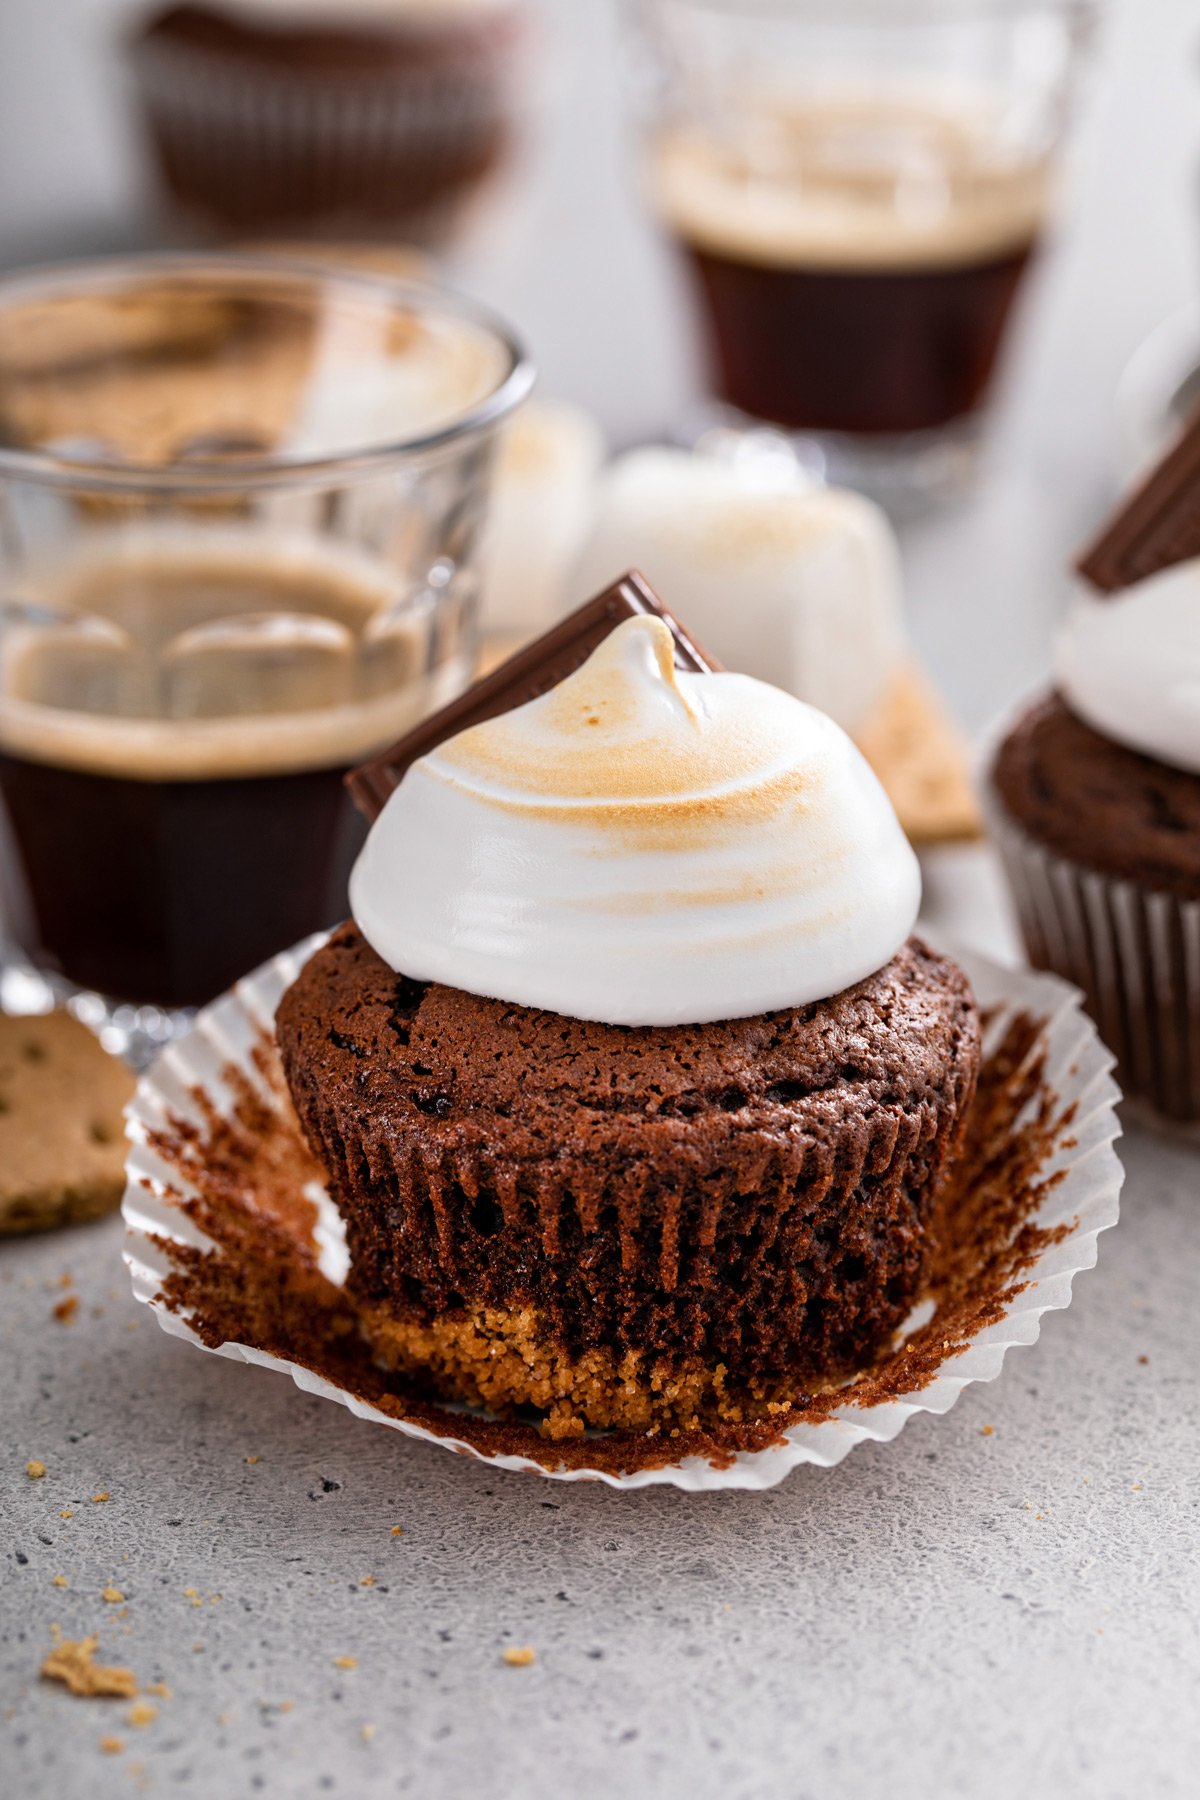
(543, 498)
(1129, 664)
(794, 584)
(641, 846)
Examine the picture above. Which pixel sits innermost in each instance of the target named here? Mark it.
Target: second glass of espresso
(239, 503)
(858, 187)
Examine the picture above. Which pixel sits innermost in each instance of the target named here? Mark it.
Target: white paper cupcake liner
(1080, 1182)
(1135, 955)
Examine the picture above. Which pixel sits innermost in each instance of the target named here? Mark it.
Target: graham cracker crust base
(502, 1360)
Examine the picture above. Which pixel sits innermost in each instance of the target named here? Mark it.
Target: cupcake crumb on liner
(235, 1244)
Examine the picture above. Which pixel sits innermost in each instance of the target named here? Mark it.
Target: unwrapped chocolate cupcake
(634, 1090)
(1095, 792)
(329, 116)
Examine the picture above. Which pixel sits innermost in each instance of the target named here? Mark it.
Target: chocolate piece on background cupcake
(634, 1090)
(1096, 794)
(330, 115)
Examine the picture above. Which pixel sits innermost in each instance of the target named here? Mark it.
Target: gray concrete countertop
(1003, 1601)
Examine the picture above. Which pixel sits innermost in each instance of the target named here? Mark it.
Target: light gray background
(955, 1614)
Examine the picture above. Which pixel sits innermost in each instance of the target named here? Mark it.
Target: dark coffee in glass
(856, 261)
(240, 501)
(174, 750)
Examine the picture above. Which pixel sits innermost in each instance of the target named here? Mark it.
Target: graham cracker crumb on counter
(59, 1581)
(345, 1662)
(254, 1459)
(195, 1596)
(366, 1581)
(1143, 1360)
(66, 1309)
(101, 1497)
(72, 1663)
(66, 1513)
(66, 1279)
(520, 1656)
(159, 1688)
(987, 1430)
(35, 1469)
(397, 1531)
(112, 1746)
(367, 1732)
(142, 1712)
(112, 1595)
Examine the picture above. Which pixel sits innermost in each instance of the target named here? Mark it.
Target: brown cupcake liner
(258, 146)
(803, 1283)
(1135, 954)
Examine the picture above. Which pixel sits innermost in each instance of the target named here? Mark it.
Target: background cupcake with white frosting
(634, 1090)
(336, 117)
(1096, 802)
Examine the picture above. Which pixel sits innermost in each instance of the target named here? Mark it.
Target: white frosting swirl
(641, 847)
(1129, 665)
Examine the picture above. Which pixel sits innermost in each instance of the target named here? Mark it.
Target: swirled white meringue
(1129, 665)
(641, 847)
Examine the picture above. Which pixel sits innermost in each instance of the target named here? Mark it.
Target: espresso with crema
(857, 255)
(175, 729)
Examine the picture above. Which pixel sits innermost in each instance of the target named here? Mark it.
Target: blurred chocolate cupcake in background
(372, 117)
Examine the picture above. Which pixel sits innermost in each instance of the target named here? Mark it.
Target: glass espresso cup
(857, 188)
(239, 506)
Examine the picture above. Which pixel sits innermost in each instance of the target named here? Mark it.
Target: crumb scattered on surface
(519, 1656)
(397, 1531)
(366, 1581)
(367, 1732)
(72, 1662)
(66, 1309)
(59, 1581)
(66, 1513)
(101, 1497)
(160, 1688)
(1143, 1360)
(142, 1712)
(987, 1430)
(112, 1595)
(112, 1746)
(35, 1469)
(345, 1662)
(195, 1596)
(254, 1459)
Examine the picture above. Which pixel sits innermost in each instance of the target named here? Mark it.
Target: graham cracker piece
(62, 1137)
(922, 759)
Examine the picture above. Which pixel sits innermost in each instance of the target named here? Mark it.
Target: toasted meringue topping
(641, 846)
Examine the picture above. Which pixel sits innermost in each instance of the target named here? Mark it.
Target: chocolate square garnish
(532, 671)
(1156, 527)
